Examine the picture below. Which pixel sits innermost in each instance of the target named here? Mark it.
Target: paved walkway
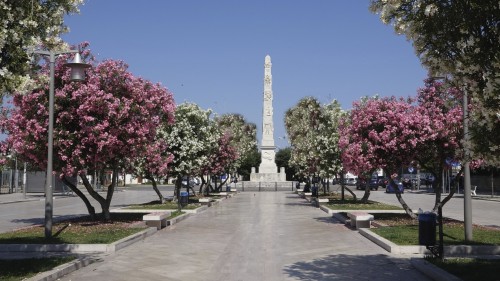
(253, 236)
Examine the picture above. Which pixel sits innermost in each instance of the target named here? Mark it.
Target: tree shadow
(353, 267)
(40, 221)
(330, 220)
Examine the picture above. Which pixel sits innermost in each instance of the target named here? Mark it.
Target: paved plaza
(253, 236)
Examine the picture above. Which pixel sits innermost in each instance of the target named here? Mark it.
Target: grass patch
(79, 231)
(338, 204)
(469, 269)
(175, 214)
(403, 230)
(14, 270)
(168, 205)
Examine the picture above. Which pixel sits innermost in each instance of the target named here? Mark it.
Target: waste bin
(314, 191)
(184, 198)
(427, 229)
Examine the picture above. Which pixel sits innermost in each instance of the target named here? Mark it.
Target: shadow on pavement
(353, 267)
(331, 220)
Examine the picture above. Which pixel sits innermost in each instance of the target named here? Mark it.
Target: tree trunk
(352, 193)
(177, 192)
(222, 184)
(203, 182)
(104, 202)
(405, 206)
(80, 194)
(366, 195)
(155, 188)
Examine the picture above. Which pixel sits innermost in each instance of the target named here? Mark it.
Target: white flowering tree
(330, 161)
(303, 124)
(313, 132)
(24, 25)
(190, 140)
(460, 39)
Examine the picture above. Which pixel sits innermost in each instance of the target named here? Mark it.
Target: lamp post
(467, 188)
(77, 74)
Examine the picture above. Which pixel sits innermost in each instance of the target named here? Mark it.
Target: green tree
(252, 159)
(282, 160)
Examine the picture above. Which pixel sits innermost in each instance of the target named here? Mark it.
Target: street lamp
(77, 74)
(467, 188)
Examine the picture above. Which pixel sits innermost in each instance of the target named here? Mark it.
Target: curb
(74, 265)
(79, 248)
(432, 271)
(63, 269)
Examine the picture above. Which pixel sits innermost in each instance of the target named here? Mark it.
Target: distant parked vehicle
(391, 186)
(382, 181)
(352, 181)
(373, 183)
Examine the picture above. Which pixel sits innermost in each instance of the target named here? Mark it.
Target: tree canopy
(26, 25)
(461, 40)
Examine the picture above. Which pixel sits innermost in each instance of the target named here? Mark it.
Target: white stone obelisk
(267, 147)
(268, 172)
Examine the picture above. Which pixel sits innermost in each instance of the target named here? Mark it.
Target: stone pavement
(253, 236)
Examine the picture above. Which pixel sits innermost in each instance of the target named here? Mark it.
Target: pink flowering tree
(154, 164)
(100, 124)
(221, 159)
(243, 136)
(440, 109)
(381, 133)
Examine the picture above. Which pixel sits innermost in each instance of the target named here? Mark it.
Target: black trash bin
(427, 229)
(184, 198)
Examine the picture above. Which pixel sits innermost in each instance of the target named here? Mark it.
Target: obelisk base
(268, 177)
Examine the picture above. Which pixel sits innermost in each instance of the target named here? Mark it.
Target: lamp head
(77, 68)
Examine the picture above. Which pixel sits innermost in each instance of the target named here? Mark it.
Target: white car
(352, 181)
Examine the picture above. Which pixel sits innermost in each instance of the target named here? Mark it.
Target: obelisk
(267, 148)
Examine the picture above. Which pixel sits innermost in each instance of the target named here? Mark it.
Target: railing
(264, 186)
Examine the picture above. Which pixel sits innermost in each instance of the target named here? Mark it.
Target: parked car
(382, 181)
(352, 181)
(360, 183)
(391, 186)
(373, 183)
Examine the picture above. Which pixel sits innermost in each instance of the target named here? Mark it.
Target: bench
(360, 220)
(323, 200)
(158, 220)
(223, 194)
(205, 201)
(233, 190)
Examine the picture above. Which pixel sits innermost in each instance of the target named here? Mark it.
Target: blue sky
(212, 52)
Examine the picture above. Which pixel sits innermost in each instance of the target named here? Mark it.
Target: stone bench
(360, 219)
(233, 190)
(323, 200)
(158, 220)
(205, 201)
(308, 194)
